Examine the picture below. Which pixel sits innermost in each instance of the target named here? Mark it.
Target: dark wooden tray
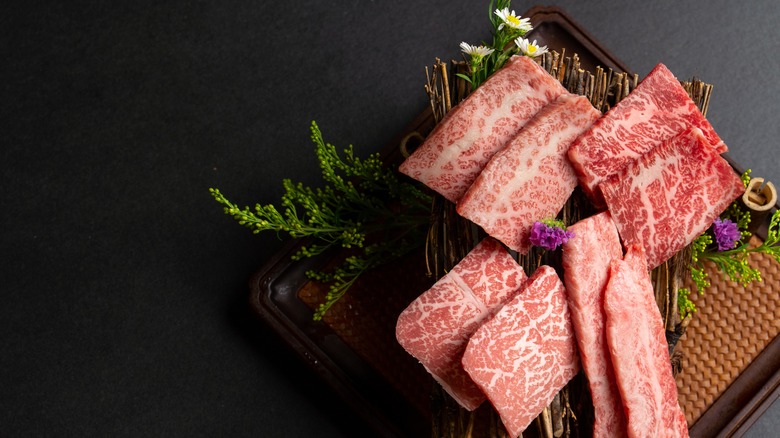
(393, 397)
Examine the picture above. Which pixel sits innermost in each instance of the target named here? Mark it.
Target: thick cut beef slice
(531, 178)
(586, 259)
(657, 109)
(670, 195)
(462, 143)
(525, 354)
(639, 352)
(436, 327)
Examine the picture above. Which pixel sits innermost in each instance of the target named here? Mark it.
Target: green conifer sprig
(363, 206)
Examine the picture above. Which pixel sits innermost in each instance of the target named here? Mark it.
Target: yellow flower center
(532, 48)
(513, 20)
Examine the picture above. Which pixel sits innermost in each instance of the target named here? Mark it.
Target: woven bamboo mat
(732, 325)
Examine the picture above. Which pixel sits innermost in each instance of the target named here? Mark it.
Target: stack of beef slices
(510, 155)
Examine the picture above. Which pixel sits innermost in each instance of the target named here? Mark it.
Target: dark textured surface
(124, 286)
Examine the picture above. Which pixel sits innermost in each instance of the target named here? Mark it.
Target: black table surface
(124, 286)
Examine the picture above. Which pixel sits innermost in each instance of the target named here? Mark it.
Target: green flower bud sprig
(364, 207)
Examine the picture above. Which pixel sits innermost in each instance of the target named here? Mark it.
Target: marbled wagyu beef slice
(671, 195)
(527, 353)
(656, 110)
(531, 178)
(455, 152)
(436, 326)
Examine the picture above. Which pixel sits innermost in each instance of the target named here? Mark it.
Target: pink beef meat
(527, 353)
(436, 327)
(531, 178)
(635, 334)
(656, 110)
(586, 259)
(462, 143)
(671, 195)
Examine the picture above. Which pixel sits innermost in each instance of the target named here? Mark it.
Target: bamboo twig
(557, 413)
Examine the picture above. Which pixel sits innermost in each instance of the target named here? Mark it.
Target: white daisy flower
(510, 19)
(477, 52)
(530, 49)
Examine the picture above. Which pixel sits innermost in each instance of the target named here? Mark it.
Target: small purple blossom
(726, 233)
(549, 237)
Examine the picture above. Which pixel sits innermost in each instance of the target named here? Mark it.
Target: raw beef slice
(671, 195)
(586, 259)
(531, 178)
(640, 356)
(436, 327)
(527, 353)
(657, 109)
(456, 151)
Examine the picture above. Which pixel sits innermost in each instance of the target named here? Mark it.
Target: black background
(124, 285)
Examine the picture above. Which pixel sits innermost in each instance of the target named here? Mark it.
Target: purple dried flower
(726, 233)
(549, 237)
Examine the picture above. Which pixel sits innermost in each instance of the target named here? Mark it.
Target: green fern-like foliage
(363, 206)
